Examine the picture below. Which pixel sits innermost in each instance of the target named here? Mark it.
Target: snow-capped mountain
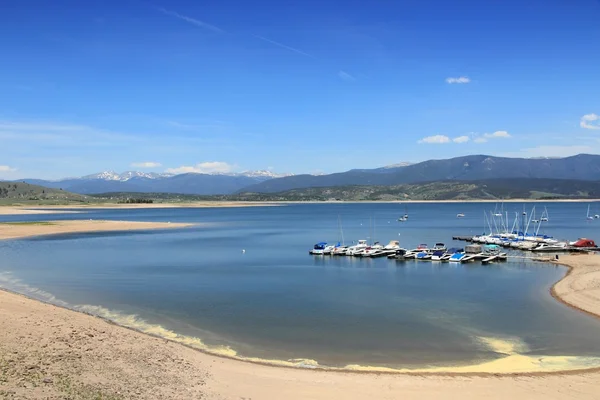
(135, 181)
(125, 176)
(260, 174)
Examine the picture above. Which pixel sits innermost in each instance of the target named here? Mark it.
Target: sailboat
(341, 247)
(544, 217)
(404, 218)
(589, 217)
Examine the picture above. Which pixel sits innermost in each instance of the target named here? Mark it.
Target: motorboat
(439, 247)
(321, 249)
(372, 251)
(391, 247)
(399, 254)
(460, 215)
(359, 247)
(423, 255)
(583, 243)
(437, 255)
(457, 257)
(549, 247)
(339, 251)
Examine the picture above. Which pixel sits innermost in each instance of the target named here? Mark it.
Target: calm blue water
(275, 301)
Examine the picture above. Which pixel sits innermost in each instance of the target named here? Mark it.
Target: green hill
(490, 189)
(12, 193)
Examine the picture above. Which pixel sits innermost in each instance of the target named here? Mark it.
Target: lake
(243, 282)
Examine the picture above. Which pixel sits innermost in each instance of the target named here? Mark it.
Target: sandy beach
(49, 352)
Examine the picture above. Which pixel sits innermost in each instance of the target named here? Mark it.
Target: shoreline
(32, 209)
(581, 276)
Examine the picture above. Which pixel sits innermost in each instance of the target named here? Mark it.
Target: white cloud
(209, 167)
(590, 121)
(437, 139)
(497, 134)
(148, 164)
(551, 151)
(460, 79)
(461, 139)
(343, 75)
(6, 168)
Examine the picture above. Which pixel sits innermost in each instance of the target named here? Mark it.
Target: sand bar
(18, 230)
(17, 210)
(51, 352)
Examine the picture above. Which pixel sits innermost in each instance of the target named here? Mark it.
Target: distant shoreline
(50, 209)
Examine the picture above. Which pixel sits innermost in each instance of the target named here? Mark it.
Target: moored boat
(321, 249)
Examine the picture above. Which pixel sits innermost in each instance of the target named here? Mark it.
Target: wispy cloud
(497, 134)
(461, 139)
(193, 21)
(6, 168)
(436, 139)
(343, 75)
(590, 121)
(283, 46)
(148, 164)
(209, 167)
(477, 138)
(460, 79)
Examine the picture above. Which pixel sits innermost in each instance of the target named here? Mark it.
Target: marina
(522, 236)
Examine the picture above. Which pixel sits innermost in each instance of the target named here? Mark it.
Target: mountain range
(468, 168)
(143, 182)
(583, 167)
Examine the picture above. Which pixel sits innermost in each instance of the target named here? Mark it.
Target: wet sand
(51, 352)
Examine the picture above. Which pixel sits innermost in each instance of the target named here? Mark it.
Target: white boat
(359, 247)
(372, 251)
(457, 257)
(437, 255)
(562, 246)
(391, 247)
(340, 251)
(321, 249)
(460, 215)
(439, 247)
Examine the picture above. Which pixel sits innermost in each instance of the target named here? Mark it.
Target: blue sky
(300, 86)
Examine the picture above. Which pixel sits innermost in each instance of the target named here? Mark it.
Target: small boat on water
(439, 247)
(321, 249)
(583, 243)
(423, 255)
(357, 248)
(460, 215)
(399, 254)
(457, 256)
(550, 247)
(437, 255)
(375, 250)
